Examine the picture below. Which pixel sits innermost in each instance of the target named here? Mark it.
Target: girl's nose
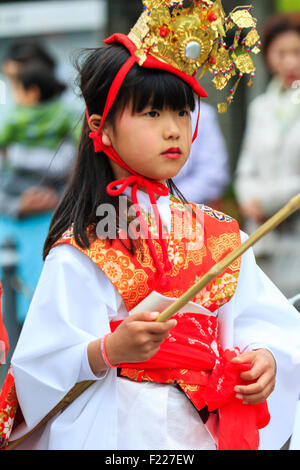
(171, 129)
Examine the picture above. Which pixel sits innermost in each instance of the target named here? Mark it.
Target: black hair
(37, 75)
(25, 51)
(92, 172)
(278, 24)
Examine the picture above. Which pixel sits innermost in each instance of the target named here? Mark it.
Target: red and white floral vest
(194, 247)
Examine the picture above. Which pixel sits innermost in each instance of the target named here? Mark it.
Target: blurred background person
(268, 171)
(23, 52)
(205, 176)
(37, 145)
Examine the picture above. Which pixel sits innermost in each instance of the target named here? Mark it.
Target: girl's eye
(183, 113)
(152, 114)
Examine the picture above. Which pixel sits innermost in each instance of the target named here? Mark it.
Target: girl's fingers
(156, 338)
(256, 398)
(257, 392)
(257, 387)
(262, 374)
(149, 317)
(243, 358)
(262, 361)
(142, 316)
(160, 328)
(257, 369)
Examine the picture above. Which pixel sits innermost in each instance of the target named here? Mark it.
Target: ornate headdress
(185, 37)
(180, 37)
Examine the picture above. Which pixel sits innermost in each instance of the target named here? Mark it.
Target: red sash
(191, 356)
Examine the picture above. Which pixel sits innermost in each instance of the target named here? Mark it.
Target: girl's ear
(94, 123)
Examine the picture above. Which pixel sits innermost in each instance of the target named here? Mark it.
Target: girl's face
(153, 143)
(283, 57)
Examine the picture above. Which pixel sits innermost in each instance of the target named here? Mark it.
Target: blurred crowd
(268, 171)
(38, 144)
(38, 139)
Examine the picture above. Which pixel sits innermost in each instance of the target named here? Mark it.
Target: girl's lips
(172, 153)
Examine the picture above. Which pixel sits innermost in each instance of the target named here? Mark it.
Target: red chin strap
(117, 187)
(136, 180)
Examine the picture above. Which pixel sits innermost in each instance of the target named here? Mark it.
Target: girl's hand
(263, 372)
(137, 338)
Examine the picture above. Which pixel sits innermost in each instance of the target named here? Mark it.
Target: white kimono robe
(72, 306)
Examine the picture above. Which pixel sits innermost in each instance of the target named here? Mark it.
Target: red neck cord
(136, 180)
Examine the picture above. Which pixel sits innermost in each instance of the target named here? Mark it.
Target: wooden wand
(215, 271)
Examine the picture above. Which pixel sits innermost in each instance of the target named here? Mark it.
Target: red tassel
(97, 139)
(136, 180)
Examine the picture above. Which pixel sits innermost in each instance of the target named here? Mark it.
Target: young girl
(157, 385)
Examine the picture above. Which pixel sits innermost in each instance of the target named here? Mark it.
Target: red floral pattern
(8, 408)
(207, 237)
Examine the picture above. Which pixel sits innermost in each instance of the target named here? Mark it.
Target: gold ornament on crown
(191, 36)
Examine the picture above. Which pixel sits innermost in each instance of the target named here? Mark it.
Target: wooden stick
(216, 270)
(272, 223)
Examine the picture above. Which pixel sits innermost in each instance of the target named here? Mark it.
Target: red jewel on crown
(212, 17)
(164, 31)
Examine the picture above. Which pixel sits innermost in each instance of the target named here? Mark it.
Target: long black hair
(92, 171)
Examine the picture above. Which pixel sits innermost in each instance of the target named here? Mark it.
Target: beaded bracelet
(103, 353)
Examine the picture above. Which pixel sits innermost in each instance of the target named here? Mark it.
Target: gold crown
(190, 35)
